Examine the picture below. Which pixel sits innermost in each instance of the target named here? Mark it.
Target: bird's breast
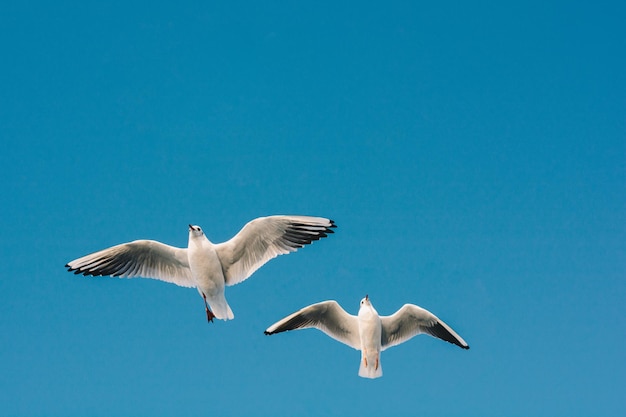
(370, 329)
(206, 267)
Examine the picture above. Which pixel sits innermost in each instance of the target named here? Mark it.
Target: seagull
(368, 332)
(207, 266)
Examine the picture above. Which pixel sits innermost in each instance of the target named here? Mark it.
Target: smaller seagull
(368, 332)
(204, 265)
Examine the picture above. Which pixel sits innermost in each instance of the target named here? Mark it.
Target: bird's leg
(365, 357)
(376, 365)
(209, 313)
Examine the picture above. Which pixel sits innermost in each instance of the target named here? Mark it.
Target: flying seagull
(204, 265)
(368, 332)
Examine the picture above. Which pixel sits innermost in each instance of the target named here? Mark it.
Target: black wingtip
(266, 333)
(465, 347)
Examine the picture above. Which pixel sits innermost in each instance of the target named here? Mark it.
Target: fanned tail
(371, 370)
(221, 309)
(224, 313)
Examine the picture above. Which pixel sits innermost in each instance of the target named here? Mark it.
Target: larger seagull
(368, 332)
(204, 265)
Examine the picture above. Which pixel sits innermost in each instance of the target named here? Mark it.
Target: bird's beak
(190, 227)
(367, 297)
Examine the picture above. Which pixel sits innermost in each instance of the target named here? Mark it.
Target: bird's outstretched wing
(412, 320)
(265, 238)
(327, 316)
(140, 258)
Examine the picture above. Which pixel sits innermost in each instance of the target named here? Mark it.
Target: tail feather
(221, 309)
(370, 371)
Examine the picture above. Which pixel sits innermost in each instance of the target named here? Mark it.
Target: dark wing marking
(141, 258)
(327, 316)
(412, 320)
(265, 238)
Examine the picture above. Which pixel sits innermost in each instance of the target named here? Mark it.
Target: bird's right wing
(141, 258)
(412, 320)
(327, 316)
(265, 238)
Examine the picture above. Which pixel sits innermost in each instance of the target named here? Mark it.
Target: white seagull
(368, 332)
(204, 265)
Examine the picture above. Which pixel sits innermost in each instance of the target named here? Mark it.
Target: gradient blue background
(472, 154)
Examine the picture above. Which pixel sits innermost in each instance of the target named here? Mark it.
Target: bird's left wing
(265, 238)
(412, 320)
(327, 316)
(140, 258)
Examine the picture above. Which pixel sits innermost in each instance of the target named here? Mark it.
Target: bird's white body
(204, 265)
(370, 329)
(368, 332)
(206, 270)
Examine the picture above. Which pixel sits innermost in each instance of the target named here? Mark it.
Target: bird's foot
(376, 365)
(209, 315)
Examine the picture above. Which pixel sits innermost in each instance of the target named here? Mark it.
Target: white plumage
(368, 332)
(204, 265)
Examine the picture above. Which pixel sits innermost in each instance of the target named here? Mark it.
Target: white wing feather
(140, 258)
(265, 238)
(412, 320)
(327, 316)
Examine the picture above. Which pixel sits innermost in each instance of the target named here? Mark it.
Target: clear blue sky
(472, 154)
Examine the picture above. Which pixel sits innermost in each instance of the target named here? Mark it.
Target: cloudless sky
(472, 154)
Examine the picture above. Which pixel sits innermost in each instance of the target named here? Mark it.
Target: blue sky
(472, 155)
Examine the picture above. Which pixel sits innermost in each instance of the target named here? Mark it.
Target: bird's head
(366, 301)
(367, 309)
(195, 231)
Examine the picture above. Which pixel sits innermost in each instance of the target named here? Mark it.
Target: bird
(207, 266)
(368, 332)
